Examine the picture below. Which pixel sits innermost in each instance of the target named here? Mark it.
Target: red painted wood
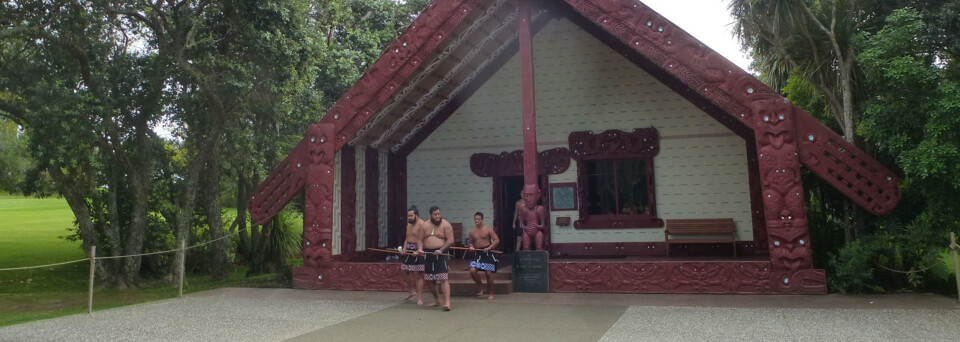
(655, 249)
(529, 101)
(553, 162)
(745, 277)
(318, 203)
(641, 143)
(280, 185)
(401, 59)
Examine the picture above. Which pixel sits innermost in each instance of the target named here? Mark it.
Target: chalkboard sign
(531, 271)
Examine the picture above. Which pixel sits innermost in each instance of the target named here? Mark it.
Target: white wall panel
(581, 84)
(384, 195)
(361, 219)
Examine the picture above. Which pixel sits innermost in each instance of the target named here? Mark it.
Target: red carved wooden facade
(782, 138)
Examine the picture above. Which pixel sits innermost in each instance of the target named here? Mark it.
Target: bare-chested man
(437, 238)
(413, 264)
(482, 241)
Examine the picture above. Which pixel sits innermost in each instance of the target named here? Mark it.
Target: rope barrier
(910, 271)
(119, 256)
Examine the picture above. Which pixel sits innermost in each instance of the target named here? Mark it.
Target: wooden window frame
(641, 143)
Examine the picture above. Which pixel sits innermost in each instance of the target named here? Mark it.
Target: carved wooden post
(531, 190)
(318, 207)
(784, 209)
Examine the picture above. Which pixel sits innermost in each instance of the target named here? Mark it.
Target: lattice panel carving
(553, 161)
(848, 169)
(615, 144)
(318, 205)
(280, 186)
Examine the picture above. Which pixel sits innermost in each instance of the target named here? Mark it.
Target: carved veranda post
(318, 207)
(532, 215)
(788, 236)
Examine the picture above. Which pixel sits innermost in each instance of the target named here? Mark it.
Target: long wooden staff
(476, 249)
(394, 251)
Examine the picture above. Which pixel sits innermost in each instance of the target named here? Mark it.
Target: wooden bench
(721, 230)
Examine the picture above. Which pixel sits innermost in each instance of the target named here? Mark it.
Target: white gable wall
(581, 84)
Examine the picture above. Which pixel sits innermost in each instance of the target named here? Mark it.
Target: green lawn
(29, 235)
(29, 230)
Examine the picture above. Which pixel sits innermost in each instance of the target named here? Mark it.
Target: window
(617, 187)
(615, 178)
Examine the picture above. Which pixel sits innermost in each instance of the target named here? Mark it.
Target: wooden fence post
(956, 261)
(93, 261)
(183, 261)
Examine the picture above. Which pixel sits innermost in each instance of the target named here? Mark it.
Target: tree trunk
(218, 262)
(188, 199)
(113, 232)
(139, 177)
(242, 195)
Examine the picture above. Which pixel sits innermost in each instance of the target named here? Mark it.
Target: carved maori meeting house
(623, 125)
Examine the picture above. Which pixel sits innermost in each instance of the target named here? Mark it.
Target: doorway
(510, 189)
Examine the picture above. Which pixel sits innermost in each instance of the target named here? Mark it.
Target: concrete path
(296, 315)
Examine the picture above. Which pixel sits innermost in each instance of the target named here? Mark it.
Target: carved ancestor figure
(532, 218)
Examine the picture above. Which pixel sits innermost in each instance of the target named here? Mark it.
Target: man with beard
(482, 240)
(437, 238)
(413, 263)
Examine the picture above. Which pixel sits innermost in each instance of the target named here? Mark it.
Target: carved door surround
(550, 162)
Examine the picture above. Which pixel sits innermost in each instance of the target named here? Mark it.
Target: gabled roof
(454, 45)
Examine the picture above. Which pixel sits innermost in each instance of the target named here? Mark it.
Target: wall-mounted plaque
(563, 196)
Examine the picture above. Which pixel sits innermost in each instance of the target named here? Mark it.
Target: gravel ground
(644, 323)
(232, 314)
(197, 319)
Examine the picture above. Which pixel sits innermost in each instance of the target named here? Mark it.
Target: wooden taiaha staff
(476, 249)
(394, 251)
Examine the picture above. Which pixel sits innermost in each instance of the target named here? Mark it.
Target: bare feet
(433, 304)
(446, 307)
(490, 297)
(420, 302)
(480, 294)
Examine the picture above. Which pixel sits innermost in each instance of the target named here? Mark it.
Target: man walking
(482, 242)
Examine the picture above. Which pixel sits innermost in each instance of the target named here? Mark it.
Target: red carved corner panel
(553, 161)
(318, 204)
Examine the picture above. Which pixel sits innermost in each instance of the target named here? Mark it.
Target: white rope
(119, 256)
(42, 266)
